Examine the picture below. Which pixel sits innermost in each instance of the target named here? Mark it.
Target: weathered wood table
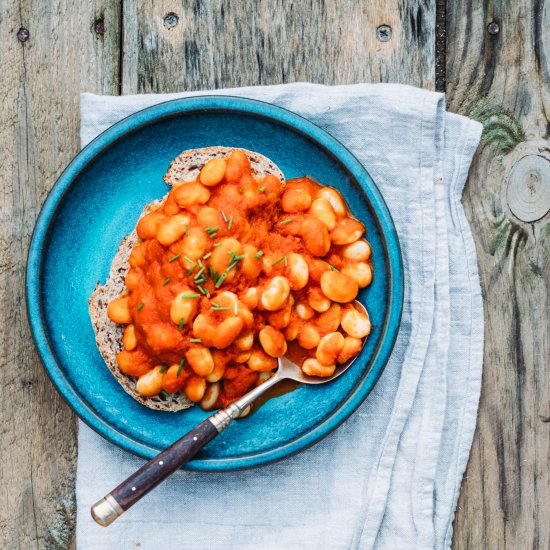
(491, 58)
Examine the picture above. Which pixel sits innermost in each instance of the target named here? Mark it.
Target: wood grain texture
(39, 128)
(503, 80)
(248, 42)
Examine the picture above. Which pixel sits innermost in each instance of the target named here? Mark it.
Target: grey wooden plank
(42, 76)
(188, 45)
(498, 72)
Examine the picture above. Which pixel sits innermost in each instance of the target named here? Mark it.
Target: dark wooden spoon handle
(152, 473)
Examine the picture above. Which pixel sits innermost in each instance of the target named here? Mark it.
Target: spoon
(120, 499)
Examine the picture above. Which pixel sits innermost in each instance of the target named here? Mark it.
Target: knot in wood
(528, 189)
(383, 33)
(99, 27)
(23, 34)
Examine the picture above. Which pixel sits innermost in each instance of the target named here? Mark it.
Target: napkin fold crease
(389, 477)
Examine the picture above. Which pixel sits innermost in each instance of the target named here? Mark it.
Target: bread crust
(108, 334)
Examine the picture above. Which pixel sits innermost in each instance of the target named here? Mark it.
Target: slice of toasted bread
(185, 167)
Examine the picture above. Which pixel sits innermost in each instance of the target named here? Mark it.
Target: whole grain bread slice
(185, 167)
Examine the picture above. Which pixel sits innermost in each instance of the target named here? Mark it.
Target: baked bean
(360, 272)
(119, 312)
(291, 331)
(200, 359)
(150, 383)
(212, 172)
(312, 367)
(272, 341)
(138, 255)
(250, 266)
(133, 363)
(295, 200)
(183, 308)
(220, 362)
(275, 293)
(335, 199)
(190, 193)
(173, 229)
(259, 361)
(204, 330)
(208, 402)
(245, 343)
(250, 297)
(317, 300)
(227, 331)
(280, 319)
(195, 244)
(236, 165)
(172, 382)
(359, 251)
(221, 256)
(208, 217)
(322, 210)
(162, 337)
(316, 237)
(351, 348)
(133, 278)
(355, 323)
(304, 311)
(242, 357)
(329, 348)
(347, 231)
(339, 287)
(171, 207)
(148, 226)
(129, 340)
(329, 321)
(195, 388)
(317, 268)
(308, 337)
(297, 271)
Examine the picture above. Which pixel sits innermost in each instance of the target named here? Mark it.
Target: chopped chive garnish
(231, 266)
(182, 362)
(206, 256)
(194, 295)
(174, 258)
(213, 304)
(213, 235)
(259, 254)
(201, 289)
(200, 280)
(221, 279)
(288, 220)
(286, 261)
(181, 323)
(200, 272)
(238, 258)
(230, 223)
(332, 268)
(163, 369)
(166, 281)
(224, 216)
(140, 306)
(187, 229)
(217, 244)
(207, 293)
(193, 269)
(212, 229)
(261, 189)
(235, 308)
(164, 394)
(187, 259)
(199, 262)
(241, 190)
(220, 308)
(195, 340)
(278, 261)
(211, 271)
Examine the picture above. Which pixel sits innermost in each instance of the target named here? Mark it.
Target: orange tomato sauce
(261, 215)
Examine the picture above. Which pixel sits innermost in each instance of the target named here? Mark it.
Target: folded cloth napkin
(389, 477)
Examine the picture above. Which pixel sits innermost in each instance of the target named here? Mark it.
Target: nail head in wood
(493, 28)
(170, 20)
(99, 27)
(383, 33)
(528, 189)
(23, 34)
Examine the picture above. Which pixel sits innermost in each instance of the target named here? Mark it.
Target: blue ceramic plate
(97, 201)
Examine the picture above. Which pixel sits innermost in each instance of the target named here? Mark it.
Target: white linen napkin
(389, 477)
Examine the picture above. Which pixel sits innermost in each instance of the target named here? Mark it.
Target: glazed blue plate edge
(335, 149)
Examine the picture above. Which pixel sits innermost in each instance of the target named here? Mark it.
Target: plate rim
(278, 115)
